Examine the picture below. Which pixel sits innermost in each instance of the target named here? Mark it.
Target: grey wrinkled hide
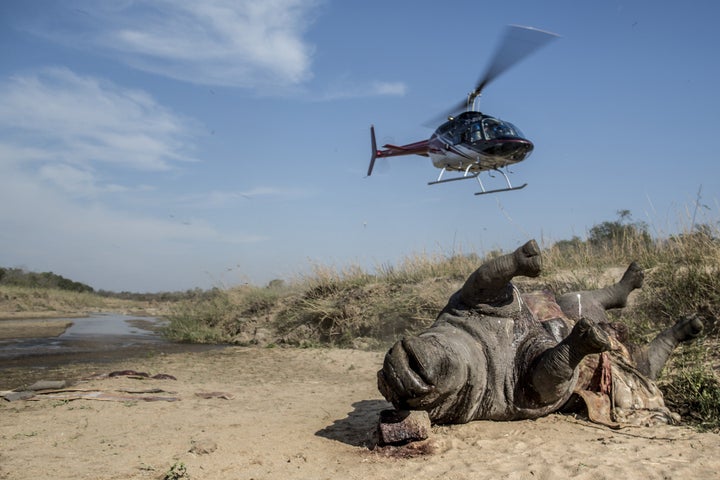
(487, 356)
(469, 366)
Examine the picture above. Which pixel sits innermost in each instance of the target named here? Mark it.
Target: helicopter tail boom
(418, 148)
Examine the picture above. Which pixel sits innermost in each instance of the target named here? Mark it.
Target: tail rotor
(374, 150)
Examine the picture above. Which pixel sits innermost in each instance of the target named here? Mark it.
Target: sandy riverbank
(32, 328)
(290, 413)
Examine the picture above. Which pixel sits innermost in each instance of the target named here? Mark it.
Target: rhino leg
(593, 303)
(554, 373)
(490, 283)
(651, 359)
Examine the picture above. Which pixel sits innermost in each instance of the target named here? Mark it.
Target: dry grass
(338, 307)
(24, 302)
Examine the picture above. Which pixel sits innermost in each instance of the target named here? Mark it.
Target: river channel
(97, 339)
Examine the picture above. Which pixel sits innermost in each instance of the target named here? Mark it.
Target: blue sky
(164, 145)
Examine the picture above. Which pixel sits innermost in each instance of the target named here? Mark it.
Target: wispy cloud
(241, 43)
(274, 192)
(77, 182)
(56, 115)
(389, 88)
(260, 45)
(218, 199)
(348, 89)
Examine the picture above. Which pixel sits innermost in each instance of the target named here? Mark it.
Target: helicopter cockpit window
(495, 128)
(475, 134)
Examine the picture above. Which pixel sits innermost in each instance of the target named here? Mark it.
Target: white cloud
(389, 88)
(59, 116)
(274, 192)
(255, 44)
(77, 182)
(217, 198)
(245, 43)
(347, 89)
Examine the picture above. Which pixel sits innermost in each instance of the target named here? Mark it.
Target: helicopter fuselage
(472, 142)
(476, 142)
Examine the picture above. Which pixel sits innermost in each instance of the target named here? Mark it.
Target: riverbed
(85, 343)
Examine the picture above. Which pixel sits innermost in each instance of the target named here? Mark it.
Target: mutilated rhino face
(435, 371)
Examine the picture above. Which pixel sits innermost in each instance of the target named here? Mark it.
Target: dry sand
(307, 414)
(32, 328)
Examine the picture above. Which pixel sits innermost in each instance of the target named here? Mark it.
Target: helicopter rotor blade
(518, 43)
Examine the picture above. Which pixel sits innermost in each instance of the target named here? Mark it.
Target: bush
(692, 388)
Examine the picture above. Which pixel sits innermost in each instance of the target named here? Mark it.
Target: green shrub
(692, 388)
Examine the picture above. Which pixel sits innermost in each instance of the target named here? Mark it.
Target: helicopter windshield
(496, 129)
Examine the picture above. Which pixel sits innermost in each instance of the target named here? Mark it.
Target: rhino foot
(594, 303)
(528, 261)
(687, 328)
(490, 283)
(633, 277)
(587, 338)
(651, 359)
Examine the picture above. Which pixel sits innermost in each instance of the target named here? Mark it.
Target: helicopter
(472, 142)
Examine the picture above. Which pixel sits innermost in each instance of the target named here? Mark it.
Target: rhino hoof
(590, 338)
(528, 259)
(688, 328)
(633, 276)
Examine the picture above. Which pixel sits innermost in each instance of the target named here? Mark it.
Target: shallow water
(112, 325)
(94, 333)
(100, 338)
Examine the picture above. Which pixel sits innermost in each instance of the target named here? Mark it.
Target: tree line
(19, 277)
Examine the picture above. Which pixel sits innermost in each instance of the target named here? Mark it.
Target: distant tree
(22, 278)
(619, 231)
(566, 245)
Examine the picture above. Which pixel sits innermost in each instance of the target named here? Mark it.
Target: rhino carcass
(494, 354)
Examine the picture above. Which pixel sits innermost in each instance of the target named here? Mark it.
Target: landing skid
(502, 189)
(467, 176)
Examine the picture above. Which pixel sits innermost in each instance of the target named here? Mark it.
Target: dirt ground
(249, 413)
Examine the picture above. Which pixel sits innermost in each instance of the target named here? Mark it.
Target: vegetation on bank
(18, 277)
(345, 307)
(35, 302)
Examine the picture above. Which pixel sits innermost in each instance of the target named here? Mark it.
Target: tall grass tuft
(685, 278)
(201, 319)
(691, 386)
(19, 300)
